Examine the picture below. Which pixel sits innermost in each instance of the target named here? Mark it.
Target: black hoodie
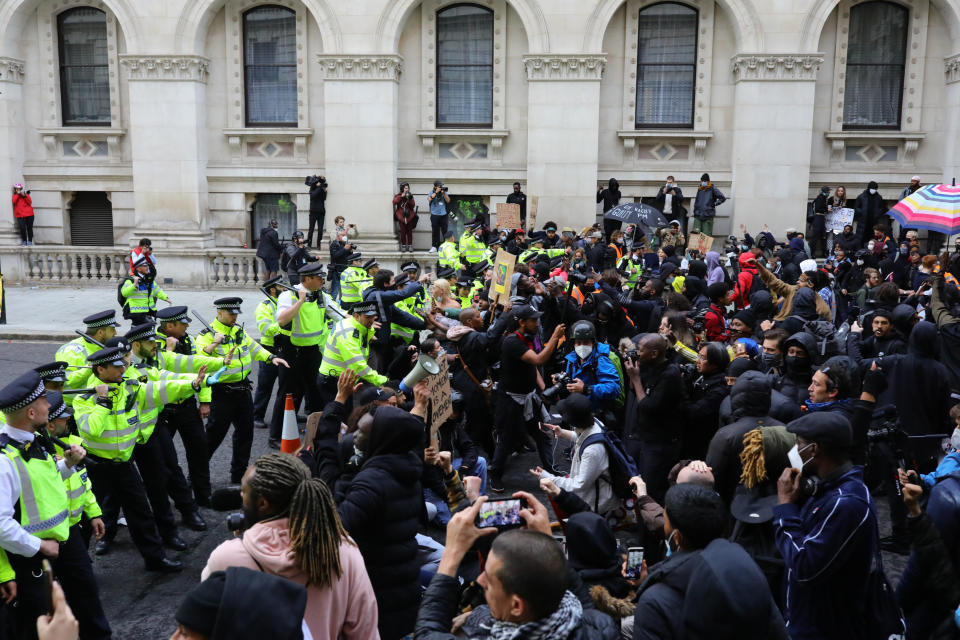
(592, 553)
(381, 511)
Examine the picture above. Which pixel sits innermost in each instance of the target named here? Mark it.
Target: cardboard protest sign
(701, 242)
(532, 214)
(508, 215)
(502, 275)
(838, 218)
(440, 405)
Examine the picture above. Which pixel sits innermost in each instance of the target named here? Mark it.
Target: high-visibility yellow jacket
(265, 315)
(141, 299)
(243, 349)
(80, 498)
(448, 255)
(473, 249)
(353, 282)
(348, 346)
(309, 325)
(75, 353)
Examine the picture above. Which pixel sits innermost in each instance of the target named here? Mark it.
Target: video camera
(310, 181)
(700, 321)
(559, 388)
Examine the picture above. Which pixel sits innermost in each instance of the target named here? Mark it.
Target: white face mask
(583, 351)
(955, 439)
(872, 191)
(796, 462)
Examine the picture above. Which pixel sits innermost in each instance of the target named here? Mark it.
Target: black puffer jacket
(702, 413)
(381, 511)
(440, 606)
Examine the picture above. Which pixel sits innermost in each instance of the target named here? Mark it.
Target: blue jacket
(598, 372)
(828, 546)
(924, 613)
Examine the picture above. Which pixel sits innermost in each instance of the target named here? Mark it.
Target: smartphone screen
(502, 514)
(634, 562)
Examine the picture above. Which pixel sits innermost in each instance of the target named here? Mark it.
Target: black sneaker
(495, 485)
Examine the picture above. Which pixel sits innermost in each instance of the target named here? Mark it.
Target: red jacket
(741, 290)
(715, 322)
(22, 205)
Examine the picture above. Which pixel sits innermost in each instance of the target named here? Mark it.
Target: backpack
(284, 257)
(622, 465)
(121, 300)
(825, 334)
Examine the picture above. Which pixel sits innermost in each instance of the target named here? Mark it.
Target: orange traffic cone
(290, 436)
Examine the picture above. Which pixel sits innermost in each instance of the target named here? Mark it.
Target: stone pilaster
(167, 110)
(11, 137)
(774, 93)
(361, 152)
(562, 135)
(951, 141)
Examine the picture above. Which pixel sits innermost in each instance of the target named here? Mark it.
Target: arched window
(465, 66)
(84, 74)
(270, 66)
(666, 62)
(876, 56)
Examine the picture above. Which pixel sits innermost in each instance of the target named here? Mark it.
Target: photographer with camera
(318, 207)
(826, 531)
(405, 212)
(140, 293)
(589, 370)
(292, 530)
(23, 214)
(295, 256)
(438, 200)
(525, 583)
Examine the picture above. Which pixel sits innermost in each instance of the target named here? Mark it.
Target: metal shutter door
(91, 220)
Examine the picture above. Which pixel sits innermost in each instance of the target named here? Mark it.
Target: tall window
(270, 66)
(465, 66)
(666, 66)
(876, 56)
(84, 77)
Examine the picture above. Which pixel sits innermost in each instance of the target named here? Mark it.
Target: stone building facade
(191, 121)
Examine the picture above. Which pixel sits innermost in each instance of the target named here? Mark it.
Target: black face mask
(797, 365)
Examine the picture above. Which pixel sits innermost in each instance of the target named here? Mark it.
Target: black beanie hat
(198, 611)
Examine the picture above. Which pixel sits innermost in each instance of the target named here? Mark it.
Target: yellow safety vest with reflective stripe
(44, 510)
(143, 372)
(244, 348)
(309, 325)
(75, 353)
(6, 571)
(348, 347)
(80, 498)
(140, 300)
(266, 322)
(353, 282)
(634, 270)
(473, 249)
(111, 432)
(405, 334)
(448, 255)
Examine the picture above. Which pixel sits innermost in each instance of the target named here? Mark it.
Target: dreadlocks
(315, 528)
(751, 459)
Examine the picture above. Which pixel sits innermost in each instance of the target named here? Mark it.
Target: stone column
(563, 135)
(360, 143)
(167, 114)
(773, 136)
(12, 123)
(951, 141)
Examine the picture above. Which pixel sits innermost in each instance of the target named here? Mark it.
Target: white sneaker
(433, 249)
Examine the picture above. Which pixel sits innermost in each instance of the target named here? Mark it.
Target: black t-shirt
(516, 376)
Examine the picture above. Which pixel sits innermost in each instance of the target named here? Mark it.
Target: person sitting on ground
(293, 531)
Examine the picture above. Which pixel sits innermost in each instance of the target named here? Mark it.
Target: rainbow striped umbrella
(935, 207)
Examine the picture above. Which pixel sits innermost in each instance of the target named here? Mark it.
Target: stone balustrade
(234, 269)
(73, 265)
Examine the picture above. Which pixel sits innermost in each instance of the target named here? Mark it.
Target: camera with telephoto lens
(235, 522)
(700, 321)
(689, 370)
(559, 388)
(576, 277)
(314, 180)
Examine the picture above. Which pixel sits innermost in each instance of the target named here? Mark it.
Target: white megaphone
(425, 366)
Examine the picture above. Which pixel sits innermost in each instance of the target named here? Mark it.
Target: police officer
(302, 319)
(232, 401)
(100, 327)
(348, 347)
(353, 281)
(140, 292)
(448, 255)
(35, 515)
(265, 315)
(156, 457)
(472, 246)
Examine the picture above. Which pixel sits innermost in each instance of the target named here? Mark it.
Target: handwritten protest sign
(508, 215)
(701, 242)
(502, 275)
(440, 405)
(838, 218)
(532, 214)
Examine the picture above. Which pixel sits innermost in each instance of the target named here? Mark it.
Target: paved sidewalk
(53, 313)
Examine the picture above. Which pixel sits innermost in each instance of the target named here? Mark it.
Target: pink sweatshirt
(347, 610)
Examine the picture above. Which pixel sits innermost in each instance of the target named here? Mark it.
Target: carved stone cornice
(565, 67)
(951, 66)
(11, 70)
(170, 68)
(361, 67)
(779, 66)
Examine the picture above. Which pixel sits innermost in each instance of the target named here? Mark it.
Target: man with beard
(652, 433)
(883, 341)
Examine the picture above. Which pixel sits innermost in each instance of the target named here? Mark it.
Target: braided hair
(315, 527)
